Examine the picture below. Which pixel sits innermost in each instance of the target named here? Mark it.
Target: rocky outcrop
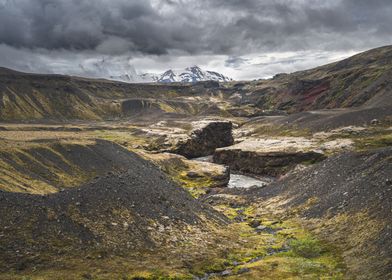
(192, 173)
(272, 157)
(205, 137)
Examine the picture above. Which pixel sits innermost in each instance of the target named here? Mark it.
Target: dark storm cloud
(235, 62)
(68, 36)
(204, 26)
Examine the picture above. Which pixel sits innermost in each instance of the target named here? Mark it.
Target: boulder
(204, 138)
(271, 157)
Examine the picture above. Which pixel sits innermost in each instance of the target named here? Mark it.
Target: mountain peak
(190, 74)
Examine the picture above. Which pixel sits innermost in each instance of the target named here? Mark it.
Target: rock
(271, 157)
(227, 272)
(192, 174)
(254, 223)
(375, 122)
(261, 227)
(265, 229)
(243, 270)
(205, 137)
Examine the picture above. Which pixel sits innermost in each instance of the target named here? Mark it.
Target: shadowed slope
(119, 214)
(347, 200)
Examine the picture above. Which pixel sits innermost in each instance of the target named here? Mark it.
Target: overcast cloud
(244, 39)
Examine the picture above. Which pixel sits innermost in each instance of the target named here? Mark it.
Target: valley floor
(258, 232)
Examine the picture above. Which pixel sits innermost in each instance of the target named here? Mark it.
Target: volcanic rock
(272, 157)
(205, 137)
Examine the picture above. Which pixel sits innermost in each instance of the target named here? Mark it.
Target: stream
(246, 182)
(240, 180)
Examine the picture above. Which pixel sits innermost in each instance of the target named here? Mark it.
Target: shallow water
(204, 159)
(242, 181)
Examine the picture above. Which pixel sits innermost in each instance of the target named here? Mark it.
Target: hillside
(109, 217)
(347, 200)
(54, 97)
(363, 80)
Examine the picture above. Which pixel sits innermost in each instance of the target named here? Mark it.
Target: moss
(178, 168)
(129, 139)
(293, 131)
(285, 250)
(166, 108)
(307, 247)
(373, 142)
(367, 138)
(229, 212)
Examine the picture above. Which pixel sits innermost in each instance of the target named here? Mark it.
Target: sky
(243, 39)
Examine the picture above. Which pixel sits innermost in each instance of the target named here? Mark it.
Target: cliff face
(204, 139)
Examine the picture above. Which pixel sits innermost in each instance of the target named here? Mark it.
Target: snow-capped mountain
(188, 75)
(126, 72)
(191, 75)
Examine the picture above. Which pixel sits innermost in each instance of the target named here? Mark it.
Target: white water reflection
(242, 181)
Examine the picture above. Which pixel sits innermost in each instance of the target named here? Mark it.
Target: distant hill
(361, 80)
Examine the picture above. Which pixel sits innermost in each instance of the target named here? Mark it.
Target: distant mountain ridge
(188, 75)
(361, 81)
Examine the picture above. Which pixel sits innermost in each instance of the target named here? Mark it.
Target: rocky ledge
(204, 138)
(272, 157)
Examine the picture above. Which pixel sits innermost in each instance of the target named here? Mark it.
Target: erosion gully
(245, 182)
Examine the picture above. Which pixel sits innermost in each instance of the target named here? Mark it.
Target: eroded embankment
(47, 166)
(271, 157)
(136, 213)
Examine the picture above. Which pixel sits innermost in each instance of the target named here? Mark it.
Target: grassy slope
(48, 166)
(364, 79)
(29, 97)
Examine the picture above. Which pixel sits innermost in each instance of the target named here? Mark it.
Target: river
(240, 180)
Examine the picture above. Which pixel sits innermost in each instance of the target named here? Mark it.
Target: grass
(307, 247)
(269, 130)
(41, 168)
(290, 253)
(375, 141)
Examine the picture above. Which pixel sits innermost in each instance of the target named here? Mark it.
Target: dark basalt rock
(204, 139)
(260, 163)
